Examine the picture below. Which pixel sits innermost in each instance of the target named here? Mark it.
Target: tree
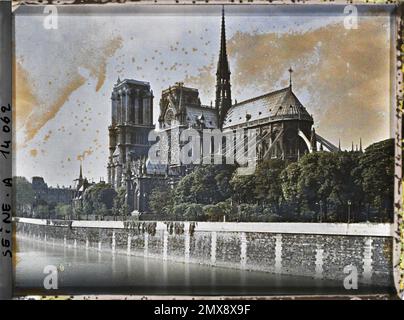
(194, 212)
(346, 193)
(322, 186)
(182, 191)
(242, 187)
(207, 184)
(98, 199)
(377, 174)
(41, 211)
(178, 211)
(223, 176)
(63, 211)
(289, 182)
(160, 200)
(220, 211)
(249, 212)
(24, 196)
(119, 202)
(213, 212)
(268, 186)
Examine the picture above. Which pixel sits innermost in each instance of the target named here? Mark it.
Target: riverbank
(313, 250)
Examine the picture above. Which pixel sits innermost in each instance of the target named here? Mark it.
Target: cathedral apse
(283, 126)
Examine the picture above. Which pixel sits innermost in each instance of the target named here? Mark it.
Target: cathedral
(283, 127)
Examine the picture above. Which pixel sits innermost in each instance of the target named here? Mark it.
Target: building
(131, 122)
(283, 126)
(50, 195)
(81, 184)
(180, 109)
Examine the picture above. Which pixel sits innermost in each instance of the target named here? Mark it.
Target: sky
(64, 77)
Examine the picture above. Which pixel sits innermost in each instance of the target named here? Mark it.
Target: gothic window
(140, 117)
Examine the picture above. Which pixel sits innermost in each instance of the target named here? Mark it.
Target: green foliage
(377, 168)
(98, 199)
(291, 192)
(208, 184)
(242, 187)
(24, 195)
(42, 212)
(213, 212)
(178, 211)
(64, 211)
(321, 186)
(78, 213)
(321, 182)
(256, 213)
(268, 188)
(161, 200)
(119, 207)
(219, 211)
(247, 212)
(194, 212)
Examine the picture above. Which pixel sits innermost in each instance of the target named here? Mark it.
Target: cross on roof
(290, 76)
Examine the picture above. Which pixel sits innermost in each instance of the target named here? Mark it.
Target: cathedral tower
(223, 87)
(131, 122)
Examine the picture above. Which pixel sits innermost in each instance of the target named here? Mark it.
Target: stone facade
(131, 122)
(50, 195)
(181, 109)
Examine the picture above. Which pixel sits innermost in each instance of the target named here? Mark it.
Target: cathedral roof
(132, 82)
(208, 115)
(274, 106)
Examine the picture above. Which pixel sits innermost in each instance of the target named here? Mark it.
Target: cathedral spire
(223, 91)
(223, 50)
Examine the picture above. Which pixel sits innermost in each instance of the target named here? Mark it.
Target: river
(82, 271)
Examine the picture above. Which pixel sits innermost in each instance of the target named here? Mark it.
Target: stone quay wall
(318, 250)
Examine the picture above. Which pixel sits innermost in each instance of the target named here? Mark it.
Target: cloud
(342, 76)
(24, 97)
(33, 113)
(204, 80)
